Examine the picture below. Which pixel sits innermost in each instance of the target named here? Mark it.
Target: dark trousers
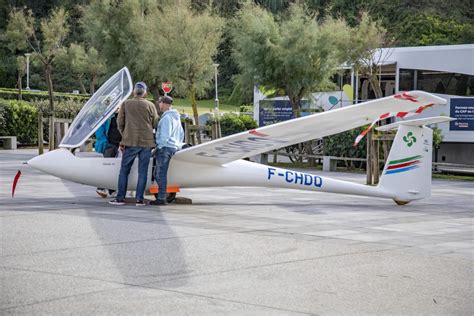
(111, 151)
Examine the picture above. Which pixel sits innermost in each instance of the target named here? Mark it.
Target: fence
(193, 134)
(61, 126)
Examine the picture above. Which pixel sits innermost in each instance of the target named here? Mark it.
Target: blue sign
(462, 109)
(274, 111)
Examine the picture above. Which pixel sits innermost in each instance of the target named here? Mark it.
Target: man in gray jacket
(136, 120)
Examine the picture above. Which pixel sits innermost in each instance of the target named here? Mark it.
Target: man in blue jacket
(169, 138)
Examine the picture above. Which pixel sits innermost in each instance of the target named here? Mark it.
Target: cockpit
(98, 109)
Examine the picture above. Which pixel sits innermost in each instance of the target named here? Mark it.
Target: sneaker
(102, 193)
(158, 202)
(117, 202)
(140, 203)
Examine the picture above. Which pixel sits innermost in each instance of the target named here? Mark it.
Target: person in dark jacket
(108, 139)
(136, 121)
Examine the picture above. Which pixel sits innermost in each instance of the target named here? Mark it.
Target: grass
(452, 177)
(182, 105)
(204, 106)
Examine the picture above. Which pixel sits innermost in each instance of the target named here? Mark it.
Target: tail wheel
(170, 197)
(401, 202)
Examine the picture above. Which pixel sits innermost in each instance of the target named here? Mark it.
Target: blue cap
(141, 85)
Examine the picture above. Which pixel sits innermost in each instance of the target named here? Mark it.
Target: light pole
(27, 71)
(215, 81)
(216, 106)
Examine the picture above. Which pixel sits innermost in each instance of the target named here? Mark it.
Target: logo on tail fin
(409, 139)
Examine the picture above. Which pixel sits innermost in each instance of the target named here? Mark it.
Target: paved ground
(234, 251)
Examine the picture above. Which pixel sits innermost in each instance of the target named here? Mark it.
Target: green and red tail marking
(402, 165)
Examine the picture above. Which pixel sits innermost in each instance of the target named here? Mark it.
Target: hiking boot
(140, 203)
(117, 202)
(102, 193)
(158, 202)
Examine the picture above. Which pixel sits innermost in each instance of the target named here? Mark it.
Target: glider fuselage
(103, 172)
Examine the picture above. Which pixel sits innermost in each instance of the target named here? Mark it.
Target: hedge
(30, 96)
(233, 123)
(20, 118)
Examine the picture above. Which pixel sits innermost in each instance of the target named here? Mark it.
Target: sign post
(216, 107)
(166, 87)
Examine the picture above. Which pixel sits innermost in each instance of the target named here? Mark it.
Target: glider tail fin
(407, 172)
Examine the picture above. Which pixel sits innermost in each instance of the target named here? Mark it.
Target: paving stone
(239, 251)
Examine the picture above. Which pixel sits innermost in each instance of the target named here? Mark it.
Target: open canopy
(98, 109)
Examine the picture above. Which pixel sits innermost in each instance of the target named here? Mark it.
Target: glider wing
(263, 139)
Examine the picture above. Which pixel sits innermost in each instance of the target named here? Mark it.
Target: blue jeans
(128, 158)
(163, 157)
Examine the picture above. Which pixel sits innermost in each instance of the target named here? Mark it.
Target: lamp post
(216, 106)
(27, 71)
(215, 81)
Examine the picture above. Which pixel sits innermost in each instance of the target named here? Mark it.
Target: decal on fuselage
(295, 177)
(241, 146)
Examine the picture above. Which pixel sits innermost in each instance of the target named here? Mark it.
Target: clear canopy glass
(98, 109)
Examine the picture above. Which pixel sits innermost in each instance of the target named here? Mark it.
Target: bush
(341, 145)
(12, 94)
(19, 118)
(65, 109)
(246, 108)
(233, 123)
(3, 121)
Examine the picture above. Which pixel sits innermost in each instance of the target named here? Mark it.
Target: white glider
(405, 177)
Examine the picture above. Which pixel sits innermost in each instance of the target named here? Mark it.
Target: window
(445, 82)
(407, 80)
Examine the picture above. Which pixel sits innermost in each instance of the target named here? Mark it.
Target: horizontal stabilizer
(417, 122)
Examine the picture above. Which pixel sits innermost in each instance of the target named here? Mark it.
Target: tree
(365, 55)
(46, 42)
(425, 29)
(75, 59)
(363, 51)
(295, 53)
(117, 31)
(437, 140)
(183, 46)
(83, 65)
(95, 67)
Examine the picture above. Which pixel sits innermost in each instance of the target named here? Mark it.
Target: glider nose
(39, 162)
(50, 162)
(56, 162)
